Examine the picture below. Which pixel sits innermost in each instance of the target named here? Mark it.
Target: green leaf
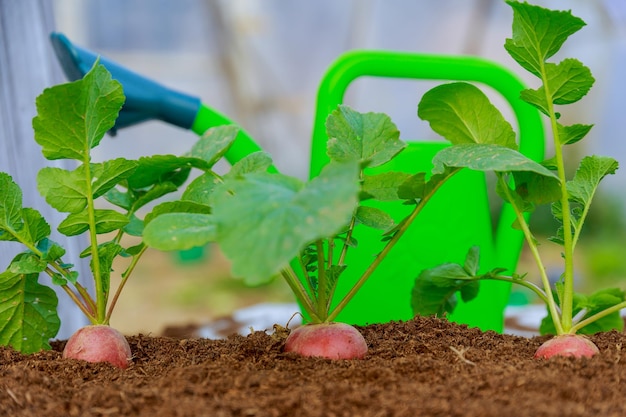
(134, 226)
(200, 189)
(177, 207)
(157, 169)
(538, 34)
(106, 254)
(332, 277)
(50, 250)
(572, 134)
(462, 113)
(536, 189)
(413, 188)
(472, 261)
(435, 290)
(141, 198)
(72, 118)
(105, 221)
(254, 162)
(118, 198)
(487, 157)
(568, 82)
(35, 226)
(28, 318)
(265, 220)
(10, 204)
(591, 171)
(64, 190)
(384, 186)
(110, 173)
(374, 217)
(369, 138)
(214, 143)
(593, 304)
(27, 263)
(180, 231)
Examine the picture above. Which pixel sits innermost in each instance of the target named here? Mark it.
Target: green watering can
(457, 218)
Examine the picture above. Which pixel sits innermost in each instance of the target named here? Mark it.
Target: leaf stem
(84, 308)
(568, 245)
(390, 244)
(321, 281)
(125, 277)
(617, 307)
(531, 286)
(301, 295)
(530, 240)
(93, 239)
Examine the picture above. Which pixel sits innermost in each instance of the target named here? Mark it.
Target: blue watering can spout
(145, 99)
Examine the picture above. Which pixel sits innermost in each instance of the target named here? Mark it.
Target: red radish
(567, 345)
(327, 340)
(99, 343)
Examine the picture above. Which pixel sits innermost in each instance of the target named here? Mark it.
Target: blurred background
(260, 62)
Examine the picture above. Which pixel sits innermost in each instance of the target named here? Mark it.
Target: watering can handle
(360, 63)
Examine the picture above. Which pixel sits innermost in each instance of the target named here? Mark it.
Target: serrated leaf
(110, 173)
(413, 188)
(384, 186)
(72, 118)
(487, 157)
(28, 318)
(27, 263)
(157, 169)
(369, 138)
(572, 134)
(50, 250)
(155, 192)
(64, 190)
(265, 220)
(177, 207)
(568, 82)
(214, 143)
(35, 226)
(538, 34)
(462, 113)
(105, 221)
(200, 189)
(435, 290)
(10, 203)
(472, 261)
(374, 217)
(591, 171)
(180, 231)
(254, 162)
(118, 198)
(536, 189)
(134, 226)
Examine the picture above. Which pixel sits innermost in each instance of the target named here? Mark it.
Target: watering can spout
(145, 99)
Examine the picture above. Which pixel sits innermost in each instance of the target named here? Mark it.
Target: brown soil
(424, 367)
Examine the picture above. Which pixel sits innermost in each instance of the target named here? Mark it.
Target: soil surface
(423, 367)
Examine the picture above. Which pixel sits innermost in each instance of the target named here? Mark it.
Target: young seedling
(71, 120)
(271, 224)
(483, 140)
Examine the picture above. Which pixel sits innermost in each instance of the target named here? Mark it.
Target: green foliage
(482, 140)
(71, 120)
(271, 224)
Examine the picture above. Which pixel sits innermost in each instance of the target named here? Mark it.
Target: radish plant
(71, 120)
(269, 224)
(483, 140)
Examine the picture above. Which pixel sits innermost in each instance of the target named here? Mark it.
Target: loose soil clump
(423, 367)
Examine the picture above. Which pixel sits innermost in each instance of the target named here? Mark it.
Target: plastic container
(457, 218)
